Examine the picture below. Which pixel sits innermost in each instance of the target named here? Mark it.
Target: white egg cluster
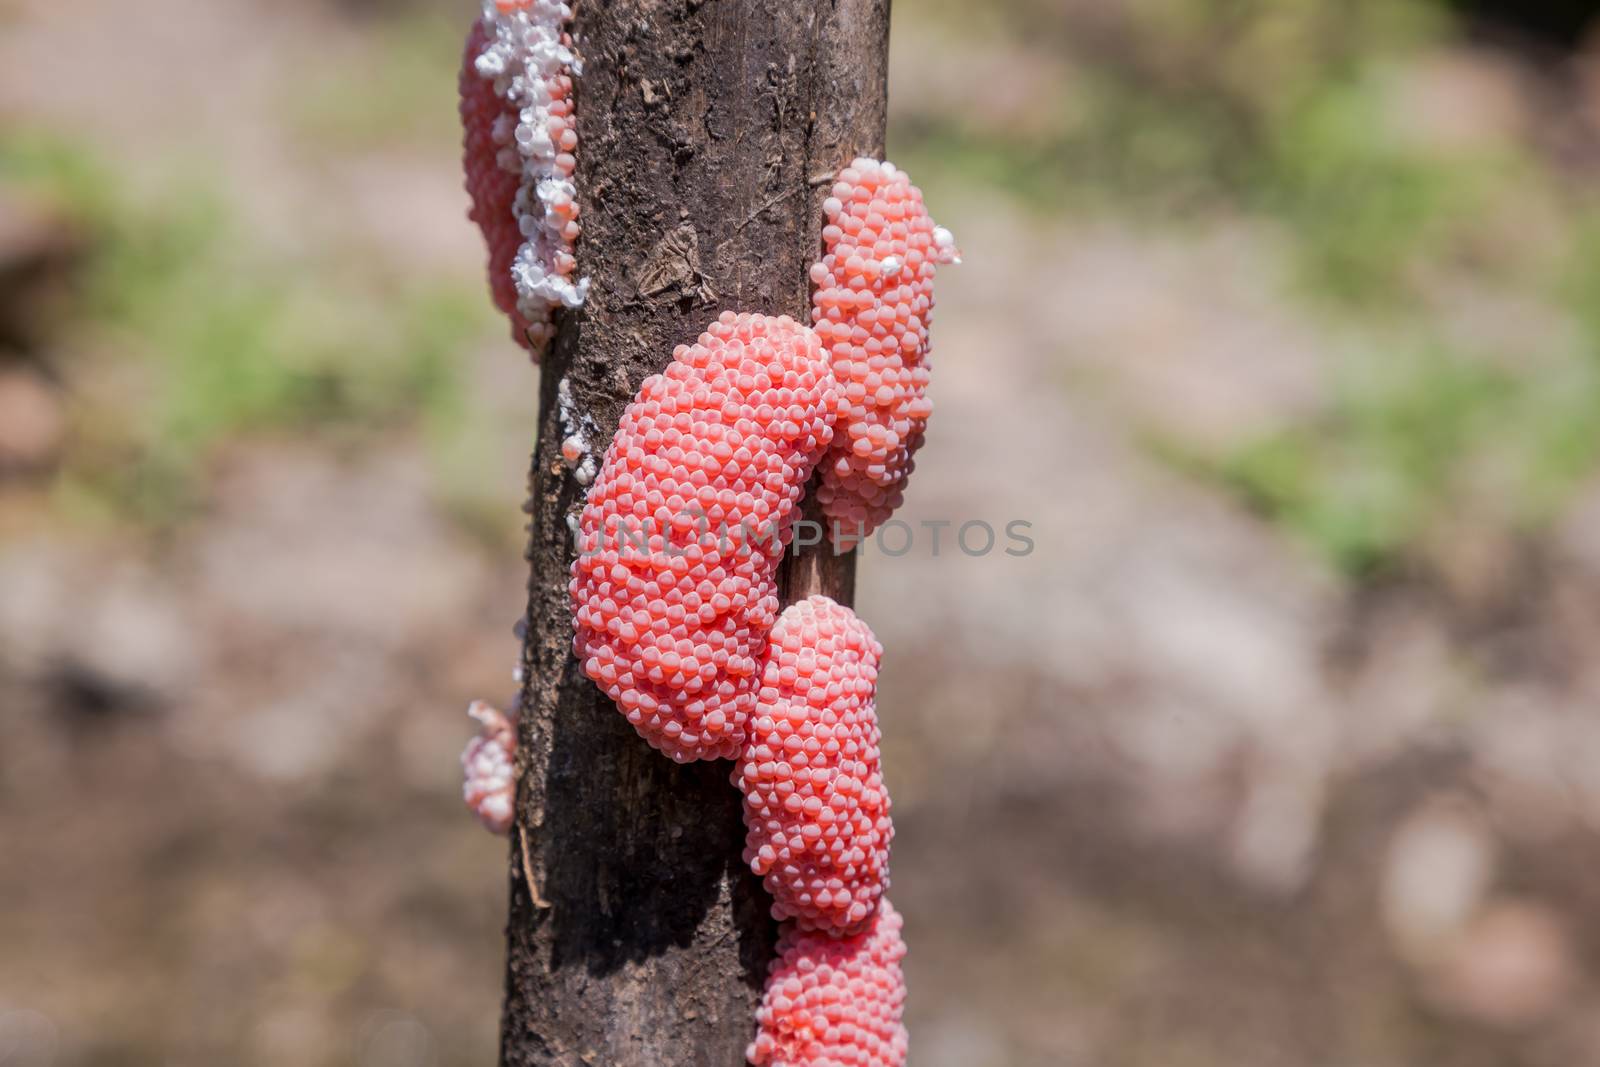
(529, 58)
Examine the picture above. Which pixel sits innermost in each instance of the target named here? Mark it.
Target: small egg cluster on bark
(488, 767)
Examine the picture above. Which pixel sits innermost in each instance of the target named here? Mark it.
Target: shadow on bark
(641, 848)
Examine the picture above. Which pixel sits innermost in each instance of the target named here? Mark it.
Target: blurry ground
(1282, 747)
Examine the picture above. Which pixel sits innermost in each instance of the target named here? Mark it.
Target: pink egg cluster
(815, 807)
(489, 784)
(492, 186)
(871, 306)
(674, 589)
(834, 1002)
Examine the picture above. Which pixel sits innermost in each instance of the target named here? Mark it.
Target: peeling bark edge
(708, 130)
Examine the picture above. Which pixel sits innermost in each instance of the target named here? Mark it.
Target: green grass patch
(1309, 116)
(1405, 447)
(398, 86)
(197, 333)
(1178, 109)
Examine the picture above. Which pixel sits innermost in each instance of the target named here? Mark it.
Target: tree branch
(636, 934)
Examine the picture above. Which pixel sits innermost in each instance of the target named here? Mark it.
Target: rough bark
(709, 129)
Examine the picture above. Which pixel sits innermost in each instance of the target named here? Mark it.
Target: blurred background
(1280, 322)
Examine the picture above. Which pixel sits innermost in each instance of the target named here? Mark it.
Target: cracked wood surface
(708, 130)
